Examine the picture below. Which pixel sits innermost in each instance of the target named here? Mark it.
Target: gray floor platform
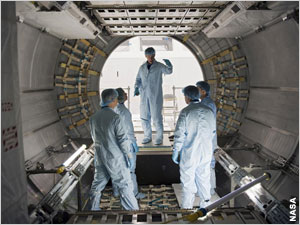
(164, 148)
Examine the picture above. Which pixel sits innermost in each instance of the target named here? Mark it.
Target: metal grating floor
(157, 197)
(159, 206)
(220, 216)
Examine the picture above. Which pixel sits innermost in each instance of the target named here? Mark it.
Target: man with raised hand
(149, 85)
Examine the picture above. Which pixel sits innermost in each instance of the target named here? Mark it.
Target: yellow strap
(77, 68)
(226, 126)
(231, 120)
(227, 90)
(69, 86)
(231, 108)
(69, 55)
(211, 81)
(99, 51)
(70, 78)
(186, 37)
(75, 49)
(68, 96)
(76, 95)
(234, 79)
(70, 115)
(240, 59)
(87, 43)
(229, 62)
(232, 99)
(242, 98)
(220, 54)
(228, 80)
(92, 93)
(236, 122)
(232, 128)
(241, 67)
(237, 68)
(77, 59)
(78, 123)
(70, 107)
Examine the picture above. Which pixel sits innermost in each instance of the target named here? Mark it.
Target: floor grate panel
(157, 197)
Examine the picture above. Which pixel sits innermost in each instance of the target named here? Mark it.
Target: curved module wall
(80, 63)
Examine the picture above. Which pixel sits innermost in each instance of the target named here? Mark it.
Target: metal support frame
(237, 192)
(54, 199)
(161, 19)
(273, 210)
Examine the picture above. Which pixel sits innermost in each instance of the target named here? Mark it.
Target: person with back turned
(113, 158)
(126, 120)
(149, 85)
(204, 90)
(192, 148)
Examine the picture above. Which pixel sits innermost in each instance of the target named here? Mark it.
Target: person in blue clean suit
(192, 148)
(113, 158)
(126, 120)
(204, 90)
(149, 85)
